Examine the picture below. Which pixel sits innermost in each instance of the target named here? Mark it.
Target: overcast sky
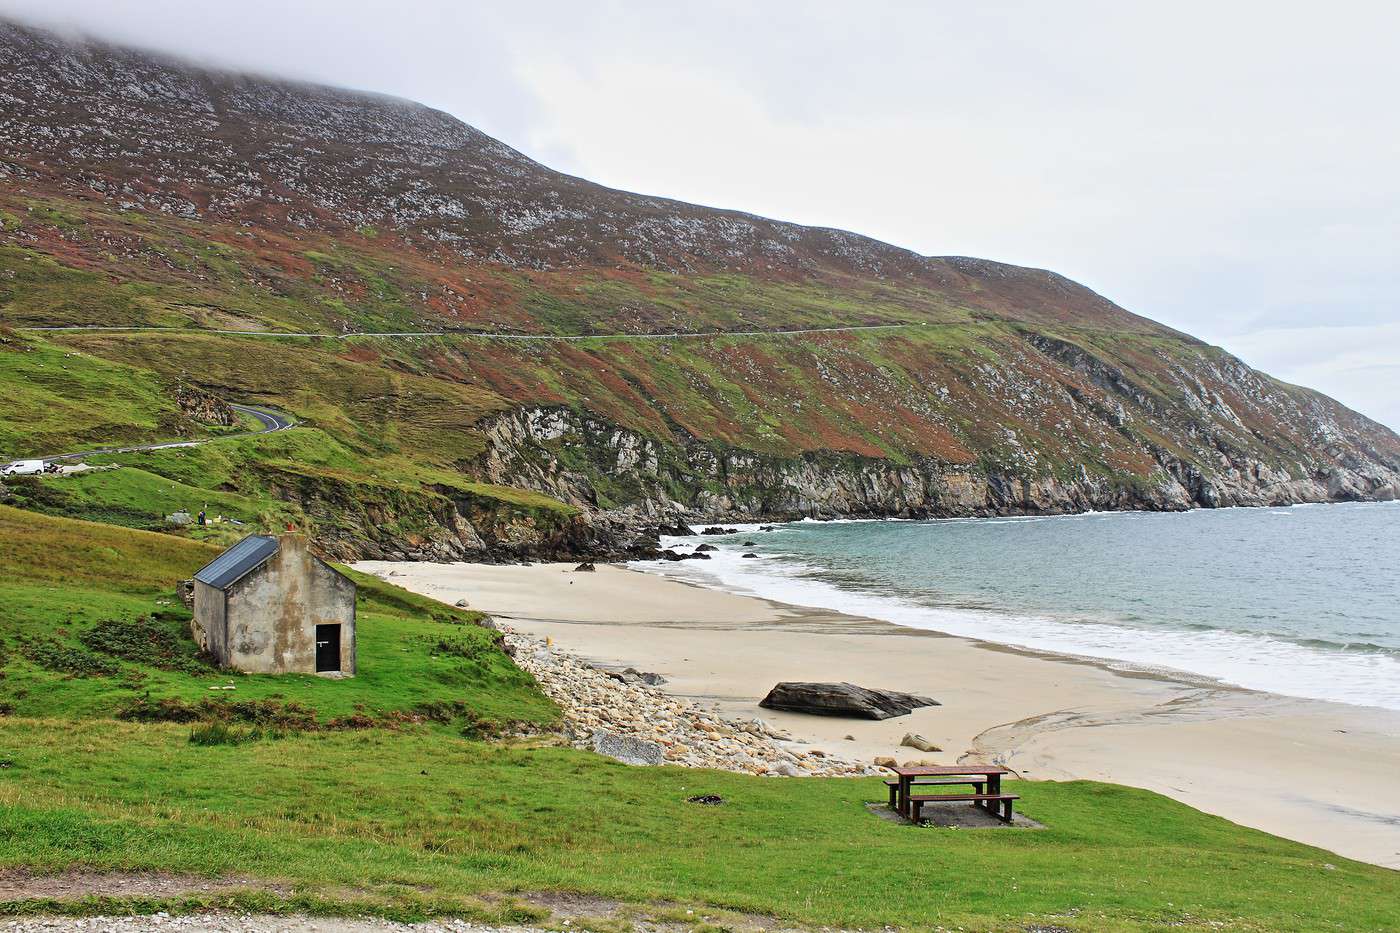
(1229, 169)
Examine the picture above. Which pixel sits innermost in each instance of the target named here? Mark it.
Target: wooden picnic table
(985, 781)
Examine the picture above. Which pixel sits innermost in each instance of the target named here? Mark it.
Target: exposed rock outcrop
(204, 407)
(842, 700)
(694, 479)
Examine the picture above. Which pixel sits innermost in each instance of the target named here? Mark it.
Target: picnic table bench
(984, 781)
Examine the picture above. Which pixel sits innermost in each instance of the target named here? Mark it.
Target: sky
(1229, 169)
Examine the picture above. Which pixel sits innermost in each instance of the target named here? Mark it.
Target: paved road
(271, 421)
(479, 335)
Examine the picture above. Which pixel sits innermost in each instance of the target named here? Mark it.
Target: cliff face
(841, 376)
(560, 453)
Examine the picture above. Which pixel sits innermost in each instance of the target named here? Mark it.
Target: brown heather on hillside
(135, 190)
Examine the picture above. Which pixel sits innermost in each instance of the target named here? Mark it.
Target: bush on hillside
(66, 659)
(469, 649)
(289, 716)
(166, 709)
(159, 640)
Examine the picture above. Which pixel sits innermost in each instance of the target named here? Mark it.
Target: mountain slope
(137, 191)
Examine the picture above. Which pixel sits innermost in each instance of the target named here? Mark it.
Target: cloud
(1358, 364)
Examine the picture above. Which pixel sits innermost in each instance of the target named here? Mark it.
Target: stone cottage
(268, 605)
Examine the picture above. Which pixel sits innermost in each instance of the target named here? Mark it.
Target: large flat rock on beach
(843, 700)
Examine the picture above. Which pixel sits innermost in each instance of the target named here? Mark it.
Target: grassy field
(424, 821)
(387, 799)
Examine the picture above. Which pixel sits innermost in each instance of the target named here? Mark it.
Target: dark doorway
(327, 648)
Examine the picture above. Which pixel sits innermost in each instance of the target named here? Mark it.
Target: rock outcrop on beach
(843, 700)
(561, 369)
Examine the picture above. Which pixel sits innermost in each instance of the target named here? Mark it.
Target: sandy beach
(1322, 773)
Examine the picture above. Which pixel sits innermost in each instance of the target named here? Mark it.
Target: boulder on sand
(842, 700)
(633, 676)
(913, 740)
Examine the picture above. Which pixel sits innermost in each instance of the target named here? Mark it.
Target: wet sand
(1326, 774)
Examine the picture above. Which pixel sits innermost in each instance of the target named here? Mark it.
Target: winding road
(275, 421)
(271, 421)
(473, 334)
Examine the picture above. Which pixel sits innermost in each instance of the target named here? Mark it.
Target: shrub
(66, 659)
(268, 714)
(166, 709)
(356, 720)
(290, 716)
(156, 641)
(474, 726)
(471, 649)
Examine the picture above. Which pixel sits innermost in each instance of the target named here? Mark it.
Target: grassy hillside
(387, 800)
(377, 455)
(89, 627)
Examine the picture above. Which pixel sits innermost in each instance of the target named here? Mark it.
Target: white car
(22, 467)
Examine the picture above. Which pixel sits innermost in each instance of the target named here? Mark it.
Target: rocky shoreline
(573, 457)
(635, 722)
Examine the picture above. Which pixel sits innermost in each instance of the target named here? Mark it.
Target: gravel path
(244, 923)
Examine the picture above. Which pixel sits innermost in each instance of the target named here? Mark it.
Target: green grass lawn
(422, 821)
(411, 816)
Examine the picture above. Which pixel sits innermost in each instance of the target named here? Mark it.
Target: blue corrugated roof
(233, 565)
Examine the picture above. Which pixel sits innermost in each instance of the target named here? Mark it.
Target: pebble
(692, 736)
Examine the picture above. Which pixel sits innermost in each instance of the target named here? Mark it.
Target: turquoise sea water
(1302, 601)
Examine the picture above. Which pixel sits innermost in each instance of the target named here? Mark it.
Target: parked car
(22, 467)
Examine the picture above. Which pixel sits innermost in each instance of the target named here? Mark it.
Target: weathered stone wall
(272, 613)
(209, 625)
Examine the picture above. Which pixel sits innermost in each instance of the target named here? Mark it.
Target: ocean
(1303, 601)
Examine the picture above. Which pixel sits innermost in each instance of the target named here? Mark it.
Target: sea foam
(1364, 674)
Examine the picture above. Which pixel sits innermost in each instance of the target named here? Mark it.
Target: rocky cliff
(560, 453)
